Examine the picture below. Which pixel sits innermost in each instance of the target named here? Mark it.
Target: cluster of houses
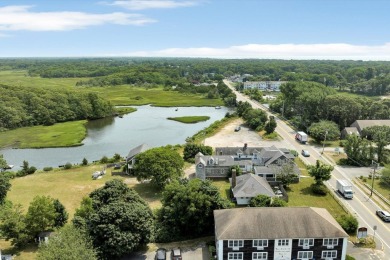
(264, 233)
(358, 126)
(259, 165)
(264, 85)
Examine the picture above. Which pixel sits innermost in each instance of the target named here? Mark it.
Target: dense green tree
(13, 225)
(323, 129)
(84, 162)
(359, 150)
(260, 201)
(349, 223)
(41, 215)
(320, 172)
(68, 243)
(187, 209)
(191, 149)
(61, 214)
(5, 185)
(161, 165)
(266, 201)
(3, 163)
(381, 136)
(270, 125)
(120, 227)
(255, 118)
(243, 108)
(117, 219)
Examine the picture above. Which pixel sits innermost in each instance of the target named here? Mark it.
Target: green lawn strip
(300, 194)
(189, 119)
(129, 95)
(58, 135)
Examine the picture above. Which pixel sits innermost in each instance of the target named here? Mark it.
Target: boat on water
(176, 109)
(9, 167)
(217, 107)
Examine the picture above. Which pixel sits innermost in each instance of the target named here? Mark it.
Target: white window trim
(331, 252)
(303, 252)
(263, 257)
(286, 242)
(241, 255)
(328, 240)
(240, 243)
(311, 242)
(264, 242)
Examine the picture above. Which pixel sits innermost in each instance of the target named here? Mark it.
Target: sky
(272, 29)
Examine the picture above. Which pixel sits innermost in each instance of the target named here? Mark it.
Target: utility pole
(323, 144)
(374, 164)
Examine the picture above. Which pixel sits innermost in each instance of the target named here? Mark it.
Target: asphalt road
(361, 205)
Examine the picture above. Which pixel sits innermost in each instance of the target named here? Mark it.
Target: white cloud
(153, 4)
(15, 18)
(333, 51)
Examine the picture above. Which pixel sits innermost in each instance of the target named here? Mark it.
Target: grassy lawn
(58, 135)
(224, 187)
(128, 95)
(189, 119)
(70, 186)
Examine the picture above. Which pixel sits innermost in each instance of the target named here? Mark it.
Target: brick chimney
(245, 146)
(234, 176)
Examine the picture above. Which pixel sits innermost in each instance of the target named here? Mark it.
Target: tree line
(24, 106)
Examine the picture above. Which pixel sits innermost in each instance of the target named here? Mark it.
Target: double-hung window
(236, 256)
(260, 243)
(259, 256)
(305, 255)
(329, 254)
(330, 242)
(283, 242)
(235, 244)
(306, 242)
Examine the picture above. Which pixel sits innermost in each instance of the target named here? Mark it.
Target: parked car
(238, 128)
(384, 215)
(176, 254)
(305, 153)
(161, 254)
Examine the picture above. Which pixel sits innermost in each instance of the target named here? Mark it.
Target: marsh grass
(189, 119)
(58, 135)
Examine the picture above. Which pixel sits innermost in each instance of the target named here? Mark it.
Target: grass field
(189, 119)
(70, 186)
(118, 95)
(58, 135)
(21, 78)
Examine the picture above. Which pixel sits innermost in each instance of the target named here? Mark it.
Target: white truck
(301, 137)
(345, 188)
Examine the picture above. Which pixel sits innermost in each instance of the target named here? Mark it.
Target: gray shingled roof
(235, 150)
(273, 168)
(139, 149)
(273, 223)
(351, 130)
(221, 160)
(250, 185)
(366, 123)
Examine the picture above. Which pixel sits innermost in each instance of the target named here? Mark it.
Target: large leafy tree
(270, 125)
(266, 201)
(285, 173)
(13, 224)
(359, 150)
(117, 219)
(255, 118)
(69, 243)
(5, 185)
(381, 136)
(320, 171)
(41, 215)
(324, 129)
(161, 165)
(3, 163)
(187, 209)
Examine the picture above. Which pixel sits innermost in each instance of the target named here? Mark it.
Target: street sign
(362, 232)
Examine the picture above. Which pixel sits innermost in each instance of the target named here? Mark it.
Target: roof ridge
(316, 209)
